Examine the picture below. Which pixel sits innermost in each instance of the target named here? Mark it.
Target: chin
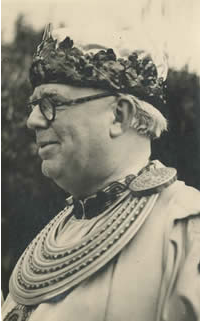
(53, 171)
(49, 169)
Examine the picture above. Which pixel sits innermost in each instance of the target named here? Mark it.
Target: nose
(36, 119)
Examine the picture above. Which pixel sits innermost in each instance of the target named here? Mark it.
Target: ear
(123, 111)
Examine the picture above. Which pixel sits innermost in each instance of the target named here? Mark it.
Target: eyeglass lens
(46, 108)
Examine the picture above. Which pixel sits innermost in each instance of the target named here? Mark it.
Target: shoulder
(182, 201)
(182, 206)
(181, 256)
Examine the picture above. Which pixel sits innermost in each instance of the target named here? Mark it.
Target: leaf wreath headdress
(58, 60)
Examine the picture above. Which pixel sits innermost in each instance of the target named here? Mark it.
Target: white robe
(156, 277)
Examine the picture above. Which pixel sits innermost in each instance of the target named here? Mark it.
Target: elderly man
(127, 245)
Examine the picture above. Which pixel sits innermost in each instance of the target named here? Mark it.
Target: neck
(93, 185)
(124, 159)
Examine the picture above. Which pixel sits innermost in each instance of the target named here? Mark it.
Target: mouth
(46, 149)
(47, 143)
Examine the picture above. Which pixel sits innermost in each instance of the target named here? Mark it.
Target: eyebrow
(43, 95)
(64, 100)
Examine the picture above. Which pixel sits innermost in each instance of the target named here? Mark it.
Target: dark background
(29, 200)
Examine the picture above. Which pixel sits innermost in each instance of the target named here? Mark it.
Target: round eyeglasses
(48, 106)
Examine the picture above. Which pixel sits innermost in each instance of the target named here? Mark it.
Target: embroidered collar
(47, 268)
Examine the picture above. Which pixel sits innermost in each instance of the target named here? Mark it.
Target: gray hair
(147, 120)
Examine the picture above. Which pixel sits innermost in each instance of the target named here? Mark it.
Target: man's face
(74, 146)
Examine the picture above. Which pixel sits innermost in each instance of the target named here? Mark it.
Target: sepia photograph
(100, 151)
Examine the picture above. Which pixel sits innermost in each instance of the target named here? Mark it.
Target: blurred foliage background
(29, 200)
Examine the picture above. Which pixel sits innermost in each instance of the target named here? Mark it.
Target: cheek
(75, 141)
(98, 141)
(99, 130)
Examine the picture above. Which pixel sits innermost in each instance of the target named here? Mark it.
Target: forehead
(64, 90)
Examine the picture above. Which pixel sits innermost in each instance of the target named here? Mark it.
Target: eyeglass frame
(70, 102)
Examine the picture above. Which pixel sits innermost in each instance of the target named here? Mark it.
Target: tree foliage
(29, 200)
